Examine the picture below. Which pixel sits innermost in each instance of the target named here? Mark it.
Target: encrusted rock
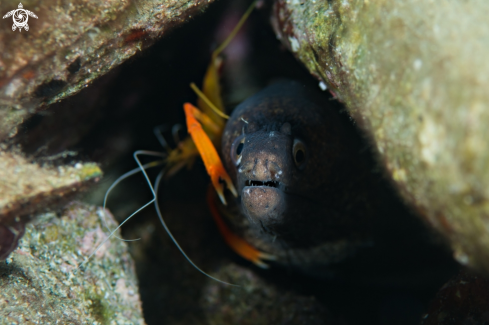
(27, 188)
(41, 283)
(257, 301)
(462, 300)
(414, 75)
(72, 43)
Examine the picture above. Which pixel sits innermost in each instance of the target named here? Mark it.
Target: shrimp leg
(237, 244)
(207, 151)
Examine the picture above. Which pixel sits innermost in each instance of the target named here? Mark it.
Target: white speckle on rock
(436, 29)
(323, 86)
(399, 174)
(328, 12)
(461, 257)
(417, 64)
(431, 138)
(12, 88)
(380, 148)
(294, 43)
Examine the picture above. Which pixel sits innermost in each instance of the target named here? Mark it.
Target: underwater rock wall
(63, 48)
(27, 189)
(44, 282)
(415, 76)
(71, 43)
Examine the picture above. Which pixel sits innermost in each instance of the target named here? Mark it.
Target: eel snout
(262, 175)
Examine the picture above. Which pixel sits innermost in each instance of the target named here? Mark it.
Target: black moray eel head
(266, 161)
(280, 149)
(306, 192)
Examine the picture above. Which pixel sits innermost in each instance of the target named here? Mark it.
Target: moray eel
(303, 187)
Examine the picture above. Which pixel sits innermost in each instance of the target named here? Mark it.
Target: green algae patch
(88, 171)
(100, 311)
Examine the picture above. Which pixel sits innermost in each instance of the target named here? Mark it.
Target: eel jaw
(263, 202)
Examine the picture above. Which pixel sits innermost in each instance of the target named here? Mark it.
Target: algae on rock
(414, 75)
(41, 282)
(27, 189)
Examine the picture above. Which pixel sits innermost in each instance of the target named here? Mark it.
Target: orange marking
(135, 35)
(29, 74)
(237, 244)
(207, 151)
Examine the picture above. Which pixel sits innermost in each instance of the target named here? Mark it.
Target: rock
(41, 282)
(27, 188)
(414, 76)
(72, 43)
(462, 300)
(256, 301)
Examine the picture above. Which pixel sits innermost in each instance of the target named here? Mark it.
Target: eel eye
(237, 148)
(299, 154)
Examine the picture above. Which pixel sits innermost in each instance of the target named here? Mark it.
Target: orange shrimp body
(205, 124)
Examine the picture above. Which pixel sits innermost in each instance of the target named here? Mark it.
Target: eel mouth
(263, 202)
(250, 182)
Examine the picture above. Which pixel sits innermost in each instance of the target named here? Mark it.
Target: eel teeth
(261, 183)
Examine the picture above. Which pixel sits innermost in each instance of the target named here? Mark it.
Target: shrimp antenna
(208, 101)
(161, 139)
(158, 211)
(155, 193)
(234, 31)
(141, 168)
(116, 182)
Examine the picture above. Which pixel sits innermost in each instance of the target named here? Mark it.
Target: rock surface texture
(66, 46)
(40, 283)
(27, 189)
(414, 75)
(462, 300)
(71, 43)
